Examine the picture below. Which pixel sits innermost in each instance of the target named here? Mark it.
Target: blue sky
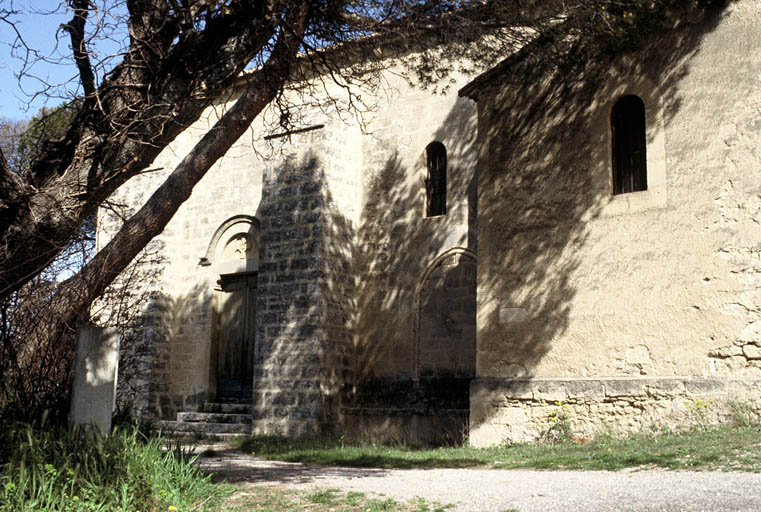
(38, 23)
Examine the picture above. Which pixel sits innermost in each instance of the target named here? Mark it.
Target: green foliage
(79, 470)
(48, 124)
(743, 414)
(701, 412)
(559, 429)
(325, 497)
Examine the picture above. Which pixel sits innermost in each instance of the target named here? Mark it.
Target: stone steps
(214, 419)
(173, 427)
(227, 408)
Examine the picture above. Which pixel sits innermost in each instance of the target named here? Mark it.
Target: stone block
(625, 387)
(510, 416)
(752, 332)
(725, 352)
(480, 412)
(550, 391)
(708, 387)
(586, 390)
(751, 351)
(94, 379)
(486, 435)
(512, 315)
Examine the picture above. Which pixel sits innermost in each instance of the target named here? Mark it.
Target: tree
(35, 362)
(10, 133)
(182, 55)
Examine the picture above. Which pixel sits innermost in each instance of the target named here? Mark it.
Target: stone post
(94, 382)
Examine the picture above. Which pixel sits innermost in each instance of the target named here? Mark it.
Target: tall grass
(57, 469)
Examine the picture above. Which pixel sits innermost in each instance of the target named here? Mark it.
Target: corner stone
(752, 351)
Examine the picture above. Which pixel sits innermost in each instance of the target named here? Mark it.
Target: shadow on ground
(233, 466)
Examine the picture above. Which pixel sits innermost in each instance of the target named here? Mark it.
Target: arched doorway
(236, 310)
(234, 255)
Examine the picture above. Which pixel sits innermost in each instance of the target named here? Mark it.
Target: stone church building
(537, 238)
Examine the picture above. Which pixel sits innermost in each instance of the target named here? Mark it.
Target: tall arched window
(436, 181)
(627, 122)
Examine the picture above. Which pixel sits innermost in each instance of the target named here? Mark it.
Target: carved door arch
(233, 255)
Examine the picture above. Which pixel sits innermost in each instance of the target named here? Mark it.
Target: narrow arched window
(627, 122)
(436, 181)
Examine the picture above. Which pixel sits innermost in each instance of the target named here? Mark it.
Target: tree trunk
(74, 296)
(169, 75)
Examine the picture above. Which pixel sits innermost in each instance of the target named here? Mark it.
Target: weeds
(743, 414)
(700, 411)
(325, 497)
(559, 429)
(713, 448)
(268, 499)
(75, 470)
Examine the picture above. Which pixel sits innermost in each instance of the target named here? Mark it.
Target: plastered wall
(396, 242)
(618, 293)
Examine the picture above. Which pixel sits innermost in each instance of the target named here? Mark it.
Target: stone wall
(131, 306)
(575, 283)
(344, 252)
(302, 347)
(171, 352)
(622, 308)
(429, 410)
(526, 410)
(396, 244)
(447, 324)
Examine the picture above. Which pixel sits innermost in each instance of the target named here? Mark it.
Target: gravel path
(486, 490)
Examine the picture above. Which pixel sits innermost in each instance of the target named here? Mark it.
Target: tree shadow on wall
(397, 244)
(414, 325)
(167, 370)
(336, 302)
(304, 303)
(339, 298)
(544, 180)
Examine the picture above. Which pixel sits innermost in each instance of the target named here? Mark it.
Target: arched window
(436, 181)
(627, 123)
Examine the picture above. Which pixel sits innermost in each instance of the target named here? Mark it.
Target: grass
(269, 499)
(57, 469)
(712, 448)
(47, 469)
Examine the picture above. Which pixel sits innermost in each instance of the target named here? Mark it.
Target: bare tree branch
(163, 85)
(76, 294)
(10, 186)
(76, 29)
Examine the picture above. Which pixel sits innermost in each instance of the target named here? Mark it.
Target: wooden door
(237, 328)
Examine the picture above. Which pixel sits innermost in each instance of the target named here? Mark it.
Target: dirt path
(486, 490)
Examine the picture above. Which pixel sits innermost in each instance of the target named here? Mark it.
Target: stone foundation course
(524, 410)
